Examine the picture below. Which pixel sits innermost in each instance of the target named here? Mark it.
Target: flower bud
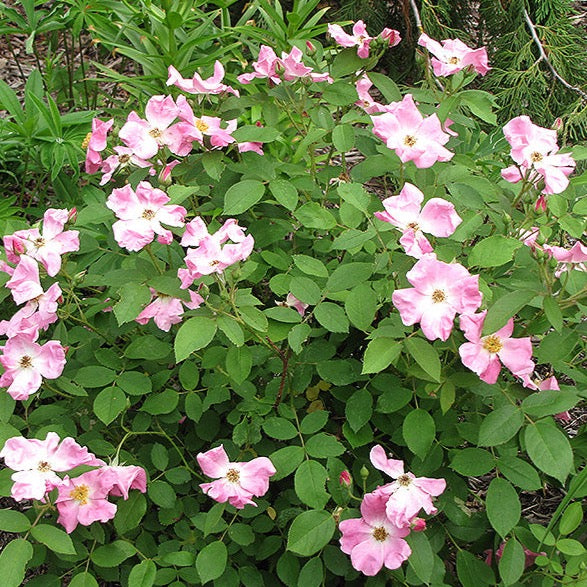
(540, 204)
(79, 277)
(72, 215)
(311, 48)
(418, 525)
(364, 473)
(557, 124)
(345, 479)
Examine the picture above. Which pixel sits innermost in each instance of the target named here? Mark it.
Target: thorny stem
(544, 57)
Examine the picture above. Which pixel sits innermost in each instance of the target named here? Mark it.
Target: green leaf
(347, 61)
(312, 573)
(422, 558)
(213, 518)
(380, 353)
(193, 335)
(242, 534)
(279, 428)
(242, 195)
(305, 289)
(109, 403)
(297, 336)
(553, 312)
(254, 318)
(500, 425)
(359, 409)
(310, 265)
(194, 407)
(425, 355)
(312, 215)
(549, 449)
(232, 329)
(520, 473)
(570, 547)
(473, 572)
(255, 134)
(503, 506)
(332, 317)
(480, 103)
(111, 555)
(549, 402)
(143, 574)
(322, 445)
(504, 308)
(133, 297)
(314, 421)
(393, 400)
(211, 561)
(343, 137)
(13, 560)
(285, 193)
(286, 461)
(13, 521)
(94, 376)
(310, 531)
(134, 383)
(494, 251)
(355, 195)
(147, 347)
(54, 538)
(162, 494)
(571, 518)
(512, 562)
(239, 361)
(360, 306)
(84, 579)
(419, 431)
(309, 482)
(340, 93)
(386, 86)
(130, 512)
(349, 275)
(472, 462)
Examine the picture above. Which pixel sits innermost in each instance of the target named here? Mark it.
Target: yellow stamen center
(86, 141)
(44, 467)
(413, 226)
(380, 534)
(81, 493)
(233, 476)
(202, 126)
(148, 214)
(453, 60)
(39, 242)
(536, 157)
(410, 141)
(155, 133)
(438, 296)
(25, 362)
(124, 159)
(404, 480)
(492, 344)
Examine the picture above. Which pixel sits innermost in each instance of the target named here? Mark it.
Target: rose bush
(297, 340)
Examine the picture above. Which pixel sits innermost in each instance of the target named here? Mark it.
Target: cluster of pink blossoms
(535, 151)
(236, 483)
(81, 500)
(388, 514)
(26, 362)
(361, 39)
(142, 212)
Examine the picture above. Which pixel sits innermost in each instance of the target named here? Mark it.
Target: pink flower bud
(557, 124)
(311, 48)
(72, 215)
(540, 204)
(18, 247)
(345, 479)
(418, 525)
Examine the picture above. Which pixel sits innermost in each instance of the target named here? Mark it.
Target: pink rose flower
(26, 363)
(38, 313)
(167, 310)
(123, 158)
(534, 149)
(484, 355)
(441, 291)
(82, 500)
(96, 143)
(360, 38)
(292, 302)
(452, 55)
(122, 478)
(407, 494)
(438, 217)
(25, 284)
(46, 247)
(197, 85)
(36, 462)
(141, 214)
(413, 137)
(372, 540)
(236, 483)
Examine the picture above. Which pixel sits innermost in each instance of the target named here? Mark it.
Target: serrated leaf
(503, 506)
(54, 538)
(309, 482)
(500, 425)
(425, 355)
(242, 195)
(494, 251)
(419, 431)
(504, 308)
(380, 353)
(143, 574)
(211, 561)
(359, 409)
(310, 531)
(549, 449)
(111, 555)
(193, 335)
(133, 297)
(13, 560)
(109, 403)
